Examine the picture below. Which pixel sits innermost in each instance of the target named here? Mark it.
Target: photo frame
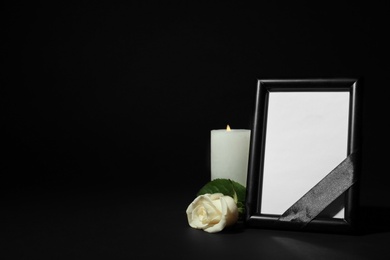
(305, 155)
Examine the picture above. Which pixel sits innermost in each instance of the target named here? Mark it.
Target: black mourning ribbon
(322, 194)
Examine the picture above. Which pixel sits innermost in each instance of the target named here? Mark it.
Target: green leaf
(227, 187)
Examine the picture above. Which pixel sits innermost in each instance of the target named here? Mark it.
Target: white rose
(212, 212)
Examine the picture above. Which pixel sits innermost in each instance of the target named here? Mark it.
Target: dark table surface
(125, 224)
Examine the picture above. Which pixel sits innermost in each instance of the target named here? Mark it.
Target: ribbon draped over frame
(322, 194)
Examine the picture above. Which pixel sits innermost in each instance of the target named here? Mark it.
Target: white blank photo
(306, 138)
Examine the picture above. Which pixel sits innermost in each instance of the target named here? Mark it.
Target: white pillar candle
(229, 154)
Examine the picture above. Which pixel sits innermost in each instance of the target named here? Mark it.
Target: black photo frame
(271, 207)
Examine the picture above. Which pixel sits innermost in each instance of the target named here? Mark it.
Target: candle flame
(227, 128)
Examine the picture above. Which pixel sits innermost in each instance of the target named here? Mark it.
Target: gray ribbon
(322, 194)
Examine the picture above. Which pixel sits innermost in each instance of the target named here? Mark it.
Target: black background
(100, 96)
(107, 109)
